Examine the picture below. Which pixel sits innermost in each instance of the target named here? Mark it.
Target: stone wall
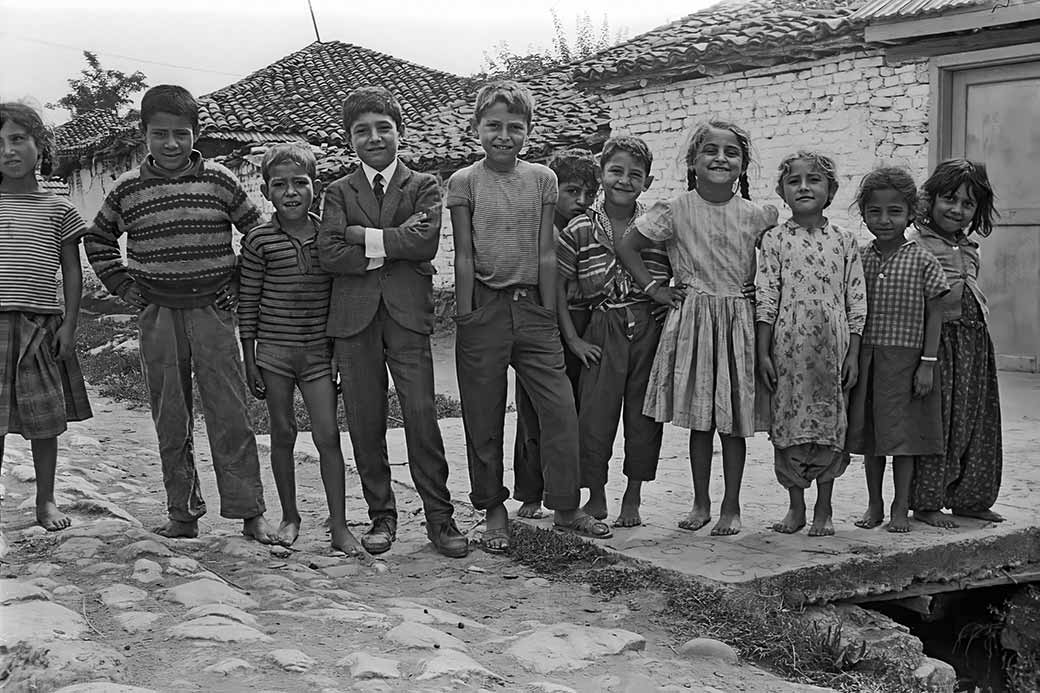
(854, 108)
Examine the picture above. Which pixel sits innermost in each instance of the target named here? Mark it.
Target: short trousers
(302, 364)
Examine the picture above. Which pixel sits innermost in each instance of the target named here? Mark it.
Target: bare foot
(628, 516)
(597, 507)
(793, 522)
(935, 518)
(987, 515)
(873, 517)
(728, 525)
(695, 519)
(175, 529)
(821, 526)
(257, 528)
(288, 531)
(344, 540)
(532, 511)
(52, 519)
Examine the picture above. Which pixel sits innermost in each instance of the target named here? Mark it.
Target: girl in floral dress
(811, 311)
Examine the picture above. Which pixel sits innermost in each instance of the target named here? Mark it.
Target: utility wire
(80, 49)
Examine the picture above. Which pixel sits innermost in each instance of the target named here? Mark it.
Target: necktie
(377, 188)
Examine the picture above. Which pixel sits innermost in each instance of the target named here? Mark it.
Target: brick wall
(853, 107)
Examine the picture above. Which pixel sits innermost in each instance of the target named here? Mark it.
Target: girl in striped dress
(41, 387)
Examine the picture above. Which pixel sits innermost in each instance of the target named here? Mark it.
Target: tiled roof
(731, 36)
(903, 9)
(84, 131)
(302, 92)
(443, 140)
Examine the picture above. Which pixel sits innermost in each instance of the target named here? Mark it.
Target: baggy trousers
(174, 342)
(510, 327)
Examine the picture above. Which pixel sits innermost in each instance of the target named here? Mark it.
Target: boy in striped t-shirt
(181, 273)
(282, 311)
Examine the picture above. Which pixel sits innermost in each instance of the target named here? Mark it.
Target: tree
(108, 90)
(502, 62)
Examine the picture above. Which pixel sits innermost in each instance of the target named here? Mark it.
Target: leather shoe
(447, 538)
(379, 536)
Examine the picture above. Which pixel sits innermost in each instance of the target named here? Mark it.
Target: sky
(207, 44)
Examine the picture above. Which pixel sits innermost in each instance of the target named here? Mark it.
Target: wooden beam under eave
(960, 43)
(901, 30)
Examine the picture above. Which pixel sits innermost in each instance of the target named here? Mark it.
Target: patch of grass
(117, 374)
(761, 629)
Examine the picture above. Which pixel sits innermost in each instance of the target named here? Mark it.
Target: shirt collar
(151, 170)
(960, 239)
(873, 246)
(792, 225)
(387, 173)
(275, 223)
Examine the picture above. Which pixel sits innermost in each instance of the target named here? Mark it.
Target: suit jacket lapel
(366, 199)
(392, 198)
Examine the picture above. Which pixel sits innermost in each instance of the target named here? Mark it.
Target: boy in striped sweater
(282, 310)
(181, 273)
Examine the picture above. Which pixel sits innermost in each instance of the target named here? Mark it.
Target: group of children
(701, 311)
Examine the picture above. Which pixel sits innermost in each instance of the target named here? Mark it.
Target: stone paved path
(108, 606)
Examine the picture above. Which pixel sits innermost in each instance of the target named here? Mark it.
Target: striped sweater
(284, 295)
(178, 233)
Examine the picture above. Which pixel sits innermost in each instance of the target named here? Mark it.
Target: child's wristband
(929, 359)
(649, 287)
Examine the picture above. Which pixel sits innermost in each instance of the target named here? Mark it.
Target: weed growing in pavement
(761, 629)
(117, 374)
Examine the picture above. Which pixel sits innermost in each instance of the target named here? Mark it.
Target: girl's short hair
(887, 178)
(290, 152)
(952, 174)
(635, 146)
(30, 119)
(172, 99)
(697, 139)
(576, 165)
(371, 100)
(517, 98)
(821, 161)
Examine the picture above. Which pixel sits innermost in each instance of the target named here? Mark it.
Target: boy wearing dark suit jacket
(380, 229)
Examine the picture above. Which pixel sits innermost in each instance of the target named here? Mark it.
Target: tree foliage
(98, 88)
(502, 61)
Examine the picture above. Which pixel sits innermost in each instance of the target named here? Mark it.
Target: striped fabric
(585, 252)
(33, 227)
(284, 294)
(507, 212)
(178, 233)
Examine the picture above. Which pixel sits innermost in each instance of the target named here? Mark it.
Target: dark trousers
(511, 328)
(613, 389)
(362, 361)
(174, 342)
(527, 461)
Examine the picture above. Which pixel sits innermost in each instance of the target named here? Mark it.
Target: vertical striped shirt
(506, 209)
(585, 254)
(178, 233)
(284, 294)
(33, 228)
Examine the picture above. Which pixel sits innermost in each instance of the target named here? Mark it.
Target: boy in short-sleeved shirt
(505, 287)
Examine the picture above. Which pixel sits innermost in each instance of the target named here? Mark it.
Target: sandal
(587, 526)
(496, 540)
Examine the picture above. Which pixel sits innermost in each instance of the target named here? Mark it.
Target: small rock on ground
(363, 665)
(708, 648)
(291, 660)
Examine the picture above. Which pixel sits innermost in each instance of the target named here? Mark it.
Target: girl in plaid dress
(958, 201)
(41, 387)
(894, 408)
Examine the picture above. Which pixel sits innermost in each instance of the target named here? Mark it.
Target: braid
(745, 186)
(691, 179)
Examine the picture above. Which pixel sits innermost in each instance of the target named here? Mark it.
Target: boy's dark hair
(697, 139)
(627, 143)
(290, 152)
(887, 178)
(169, 98)
(576, 166)
(820, 161)
(371, 100)
(30, 119)
(952, 174)
(516, 97)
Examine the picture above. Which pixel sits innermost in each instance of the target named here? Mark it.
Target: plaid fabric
(897, 290)
(39, 393)
(585, 254)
